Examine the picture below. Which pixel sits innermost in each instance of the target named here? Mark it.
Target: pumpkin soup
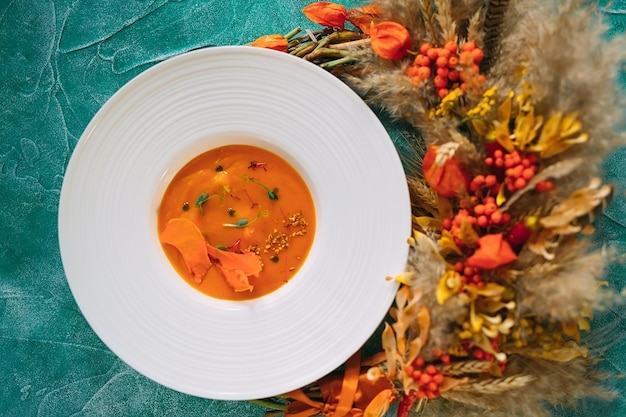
(237, 222)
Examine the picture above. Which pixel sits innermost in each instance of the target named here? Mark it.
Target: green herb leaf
(273, 194)
(202, 198)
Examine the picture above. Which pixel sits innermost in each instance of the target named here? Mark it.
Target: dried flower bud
(444, 172)
(326, 14)
(276, 42)
(390, 40)
(363, 17)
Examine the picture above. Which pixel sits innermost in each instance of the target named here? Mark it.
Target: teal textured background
(60, 60)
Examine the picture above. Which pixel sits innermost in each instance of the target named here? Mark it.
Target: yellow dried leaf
(428, 223)
(379, 404)
(449, 285)
(447, 243)
(389, 346)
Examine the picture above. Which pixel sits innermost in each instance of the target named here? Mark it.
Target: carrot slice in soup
(185, 236)
(236, 267)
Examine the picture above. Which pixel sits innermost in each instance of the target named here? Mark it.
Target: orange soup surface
(237, 222)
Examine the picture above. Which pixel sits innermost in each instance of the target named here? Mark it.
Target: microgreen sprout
(203, 198)
(246, 222)
(272, 194)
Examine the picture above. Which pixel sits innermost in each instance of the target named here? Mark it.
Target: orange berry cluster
(518, 168)
(470, 275)
(427, 377)
(448, 67)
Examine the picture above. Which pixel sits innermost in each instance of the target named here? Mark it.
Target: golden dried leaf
(449, 285)
(389, 346)
(379, 404)
(447, 243)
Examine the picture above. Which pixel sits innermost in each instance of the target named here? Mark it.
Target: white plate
(126, 287)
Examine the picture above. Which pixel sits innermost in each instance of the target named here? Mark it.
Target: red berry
(489, 161)
(496, 217)
(453, 75)
(518, 234)
(490, 208)
(438, 379)
(520, 183)
(466, 58)
(468, 46)
(490, 180)
(499, 162)
(440, 82)
(423, 73)
(416, 375)
(431, 370)
(544, 186)
(478, 55)
(419, 362)
(458, 267)
(442, 92)
(478, 353)
(479, 180)
(443, 72)
(528, 173)
(442, 62)
(453, 61)
(432, 53)
(424, 48)
(432, 386)
(451, 46)
(483, 221)
(443, 52)
(432, 395)
(445, 359)
(479, 209)
(422, 60)
(425, 379)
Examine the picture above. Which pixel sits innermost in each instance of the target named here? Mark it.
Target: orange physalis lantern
(444, 174)
(390, 40)
(326, 14)
(276, 42)
(363, 17)
(494, 251)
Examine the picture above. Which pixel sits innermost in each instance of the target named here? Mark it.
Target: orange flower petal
(188, 240)
(390, 40)
(236, 267)
(326, 14)
(276, 42)
(494, 251)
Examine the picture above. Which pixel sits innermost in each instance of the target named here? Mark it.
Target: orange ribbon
(340, 395)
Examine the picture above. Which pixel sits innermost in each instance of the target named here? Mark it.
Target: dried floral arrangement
(511, 107)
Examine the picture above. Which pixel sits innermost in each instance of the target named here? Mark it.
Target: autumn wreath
(509, 108)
